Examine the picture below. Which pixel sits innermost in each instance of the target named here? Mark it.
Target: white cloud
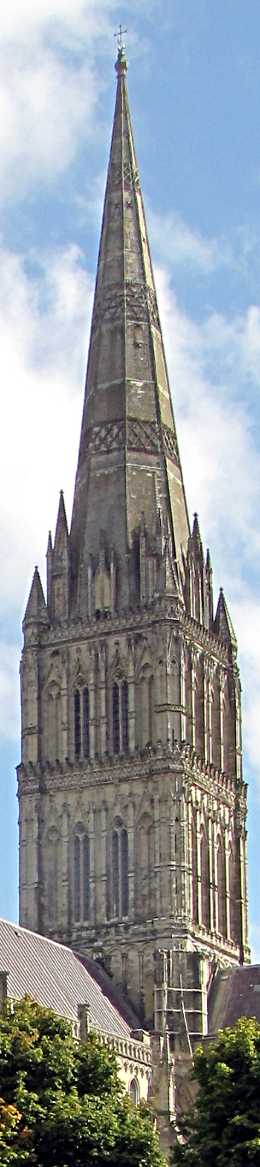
(9, 706)
(49, 86)
(176, 242)
(43, 324)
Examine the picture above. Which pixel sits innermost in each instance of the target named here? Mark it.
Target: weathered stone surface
(132, 801)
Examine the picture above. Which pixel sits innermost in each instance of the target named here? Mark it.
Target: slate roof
(54, 976)
(235, 993)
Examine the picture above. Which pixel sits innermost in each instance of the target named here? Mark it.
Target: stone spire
(128, 457)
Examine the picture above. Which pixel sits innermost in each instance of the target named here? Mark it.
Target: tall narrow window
(204, 868)
(77, 879)
(52, 875)
(116, 719)
(81, 877)
(194, 870)
(86, 723)
(77, 723)
(124, 709)
(120, 870)
(115, 866)
(134, 1092)
(86, 877)
(233, 889)
(222, 916)
(124, 871)
(150, 708)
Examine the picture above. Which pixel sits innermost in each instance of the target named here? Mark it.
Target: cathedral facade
(131, 796)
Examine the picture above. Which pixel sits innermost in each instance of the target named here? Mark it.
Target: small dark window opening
(124, 705)
(116, 724)
(77, 723)
(86, 723)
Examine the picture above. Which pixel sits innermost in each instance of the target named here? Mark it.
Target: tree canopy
(61, 1103)
(224, 1127)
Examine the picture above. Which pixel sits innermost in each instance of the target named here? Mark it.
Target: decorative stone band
(127, 173)
(139, 435)
(133, 301)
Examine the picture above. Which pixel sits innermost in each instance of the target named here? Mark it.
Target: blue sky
(194, 94)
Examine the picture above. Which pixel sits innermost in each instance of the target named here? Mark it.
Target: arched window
(234, 930)
(52, 876)
(120, 870)
(194, 870)
(120, 716)
(85, 700)
(116, 719)
(81, 723)
(145, 708)
(145, 868)
(81, 861)
(204, 868)
(53, 723)
(124, 702)
(77, 724)
(221, 886)
(134, 1092)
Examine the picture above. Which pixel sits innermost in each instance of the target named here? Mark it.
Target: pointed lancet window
(204, 869)
(52, 876)
(81, 723)
(116, 719)
(221, 889)
(77, 724)
(81, 863)
(85, 701)
(120, 733)
(124, 708)
(120, 870)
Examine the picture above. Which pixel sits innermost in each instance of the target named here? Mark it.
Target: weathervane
(119, 38)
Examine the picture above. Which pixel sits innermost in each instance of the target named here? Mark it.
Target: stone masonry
(131, 795)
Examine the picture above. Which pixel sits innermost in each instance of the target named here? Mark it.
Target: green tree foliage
(61, 1103)
(224, 1127)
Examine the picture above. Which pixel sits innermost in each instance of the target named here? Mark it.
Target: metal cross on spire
(119, 37)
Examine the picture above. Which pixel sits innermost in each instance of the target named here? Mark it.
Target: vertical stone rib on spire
(128, 454)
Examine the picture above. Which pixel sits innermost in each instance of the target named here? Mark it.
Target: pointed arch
(81, 875)
(120, 716)
(194, 866)
(82, 722)
(204, 874)
(120, 893)
(233, 899)
(145, 706)
(52, 864)
(134, 1091)
(221, 887)
(52, 722)
(145, 867)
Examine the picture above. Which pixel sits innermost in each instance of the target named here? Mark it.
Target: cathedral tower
(132, 801)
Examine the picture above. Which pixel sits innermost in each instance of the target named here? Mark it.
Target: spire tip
(121, 62)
